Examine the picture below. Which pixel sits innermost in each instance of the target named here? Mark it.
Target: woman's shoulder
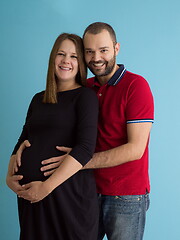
(38, 95)
(88, 91)
(87, 95)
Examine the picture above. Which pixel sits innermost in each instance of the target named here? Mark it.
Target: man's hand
(34, 191)
(17, 162)
(54, 162)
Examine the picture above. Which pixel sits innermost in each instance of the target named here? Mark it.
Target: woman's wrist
(48, 187)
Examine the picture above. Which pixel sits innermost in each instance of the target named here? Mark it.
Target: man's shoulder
(132, 76)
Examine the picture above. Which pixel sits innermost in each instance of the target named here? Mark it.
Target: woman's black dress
(70, 212)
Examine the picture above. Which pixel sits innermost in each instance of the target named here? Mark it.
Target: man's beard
(108, 69)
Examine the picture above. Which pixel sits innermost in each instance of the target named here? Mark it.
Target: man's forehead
(99, 40)
(97, 35)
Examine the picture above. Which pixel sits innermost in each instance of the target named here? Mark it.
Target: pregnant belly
(31, 164)
(30, 168)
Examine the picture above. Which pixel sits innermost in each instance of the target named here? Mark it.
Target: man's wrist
(92, 163)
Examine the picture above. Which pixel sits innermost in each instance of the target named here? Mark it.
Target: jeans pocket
(129, 204)
(129, 198)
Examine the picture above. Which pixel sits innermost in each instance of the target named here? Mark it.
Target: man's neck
(104, 79)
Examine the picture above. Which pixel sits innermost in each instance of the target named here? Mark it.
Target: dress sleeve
(87, 117)
(24, 133)
(140, 103)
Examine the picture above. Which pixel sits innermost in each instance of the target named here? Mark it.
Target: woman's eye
(74, 56)
(60, 54)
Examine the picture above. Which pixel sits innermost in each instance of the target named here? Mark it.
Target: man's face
(100, 53)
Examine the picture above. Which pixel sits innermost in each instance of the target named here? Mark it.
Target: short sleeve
(86, 131)
(140, 103)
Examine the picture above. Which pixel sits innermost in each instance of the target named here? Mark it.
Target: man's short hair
(98, 27)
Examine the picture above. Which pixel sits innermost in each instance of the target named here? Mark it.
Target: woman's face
(66, 63)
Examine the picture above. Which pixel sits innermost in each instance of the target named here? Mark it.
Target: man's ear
(117, 48)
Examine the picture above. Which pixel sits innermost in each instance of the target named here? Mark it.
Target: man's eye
(89, 52)
(103, 50)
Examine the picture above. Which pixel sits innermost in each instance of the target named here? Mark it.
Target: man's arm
(138, 134)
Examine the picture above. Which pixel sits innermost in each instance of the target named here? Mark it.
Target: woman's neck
(65, 87)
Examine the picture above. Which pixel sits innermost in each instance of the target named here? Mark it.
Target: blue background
(149, 33)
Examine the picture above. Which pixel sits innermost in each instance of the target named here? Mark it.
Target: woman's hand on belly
(13, 182)
(11, 179)
(34, 191)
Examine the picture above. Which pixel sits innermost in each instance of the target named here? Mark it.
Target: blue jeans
(122, 217)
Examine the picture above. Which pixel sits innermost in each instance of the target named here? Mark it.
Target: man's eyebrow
(103, 47)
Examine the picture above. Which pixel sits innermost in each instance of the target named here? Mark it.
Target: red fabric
(130, 99)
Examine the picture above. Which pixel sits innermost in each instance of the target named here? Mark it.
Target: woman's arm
(36, 191)
(13, 180)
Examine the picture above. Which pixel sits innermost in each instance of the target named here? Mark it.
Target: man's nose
(96, 57)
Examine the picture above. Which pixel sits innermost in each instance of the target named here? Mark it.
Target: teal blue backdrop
(149, 33)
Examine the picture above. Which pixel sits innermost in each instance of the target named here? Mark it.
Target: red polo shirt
(126, 98)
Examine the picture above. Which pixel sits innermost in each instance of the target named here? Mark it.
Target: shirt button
(100, 94)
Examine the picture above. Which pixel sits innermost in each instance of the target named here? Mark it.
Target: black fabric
(70, 212)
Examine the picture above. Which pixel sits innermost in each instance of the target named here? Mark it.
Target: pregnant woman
(64, 205)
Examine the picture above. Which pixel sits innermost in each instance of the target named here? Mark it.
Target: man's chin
(97, 72)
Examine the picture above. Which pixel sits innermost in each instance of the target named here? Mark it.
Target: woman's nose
(66, 59)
